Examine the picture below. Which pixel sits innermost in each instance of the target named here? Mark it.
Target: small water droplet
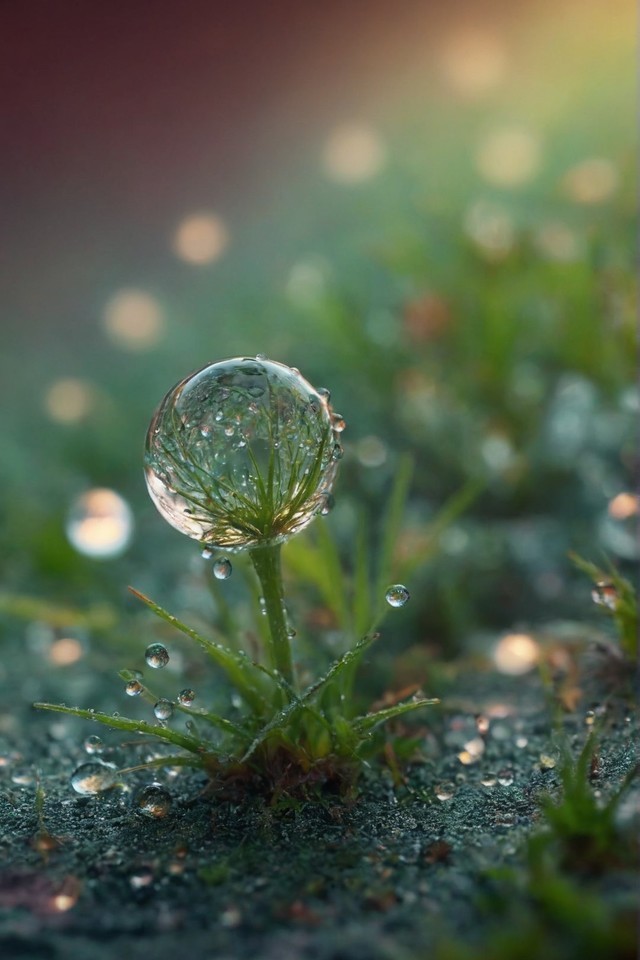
(163, 709)
(186, 697)
(489, 780)
(207, 553)
(222, 569)
(93, 777)
(23, 777)
(505, 777)
(328, 503)
(93, 745)
(153, 801)
(444, 791)
(605, 594)
(338, 422)
(229, 430)
(133, 688)
(291, 633)
(397, 595)
(337, 452)
(590, 718)
(263, 606)
(261, 356)
(156, 655)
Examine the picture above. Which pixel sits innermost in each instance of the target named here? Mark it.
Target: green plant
(617, 598)
(240, 456)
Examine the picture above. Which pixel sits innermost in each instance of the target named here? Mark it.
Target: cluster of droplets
(242, 452)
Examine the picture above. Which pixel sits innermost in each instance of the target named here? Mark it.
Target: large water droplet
(93, 777)
(214, 488)
(156, 655)
(153, 801)
(222, 569)
(163, 709)
(397, 595)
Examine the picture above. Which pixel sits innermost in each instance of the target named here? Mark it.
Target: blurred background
(428, 209)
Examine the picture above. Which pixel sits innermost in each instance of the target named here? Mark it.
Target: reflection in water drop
(241, 453)
(153, 801)
(397, 595)
(605, 594)
(222, 569)
(444, 791)
(353, 153)
(156, 655)
(163, 709)
(93, 777)
(93, 745)
(186, 697)
(133, 688)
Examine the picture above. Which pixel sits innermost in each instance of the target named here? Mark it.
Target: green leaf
(365, 724)
(237, 667)
(192, 744)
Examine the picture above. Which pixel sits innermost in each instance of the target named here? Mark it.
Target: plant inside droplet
(241, 456)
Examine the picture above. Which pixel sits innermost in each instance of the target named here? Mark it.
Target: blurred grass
(511, 371)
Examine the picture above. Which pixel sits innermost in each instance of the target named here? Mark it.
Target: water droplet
(222, 569)
(445, 791)
(505, 777)
(605, 594)
(489, 780)
(397, 595)
(482, 724)
(156, 655)
(93, 745)
(337, 452)
(23, 777)
(291, 633)
(590, 718)
(193, 481)
(261, 356)
(100, 524)
(153, 801)
(324, 393)
(133, 688)
(207, 553)
(338, 423)
(163, 709)
(93, 777)
(327, 505)
(186, 697)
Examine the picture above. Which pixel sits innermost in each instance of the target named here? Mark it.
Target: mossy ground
(395, 873)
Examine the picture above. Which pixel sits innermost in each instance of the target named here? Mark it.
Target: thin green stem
(266, 562)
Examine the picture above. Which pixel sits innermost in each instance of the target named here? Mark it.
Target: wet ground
(401, 869)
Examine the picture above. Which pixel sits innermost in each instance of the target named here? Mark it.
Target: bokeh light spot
(592, 181)
(134, 320)
(353, 153)
(473, 63)
(100, 524)
(65, 651)
(623, 506)
(69, 400)
(509, 157)
(201, 238)
(516, 654)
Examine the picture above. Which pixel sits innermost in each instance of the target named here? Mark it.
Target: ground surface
(397, 873)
